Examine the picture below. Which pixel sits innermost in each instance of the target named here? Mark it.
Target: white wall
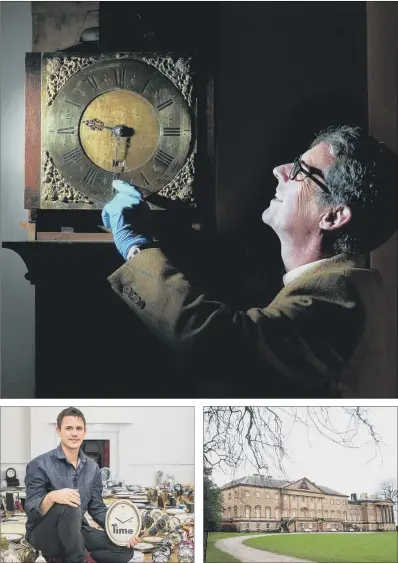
(17, 295)
(145, 439)
(15, 440)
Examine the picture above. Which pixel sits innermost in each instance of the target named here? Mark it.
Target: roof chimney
(354, 497)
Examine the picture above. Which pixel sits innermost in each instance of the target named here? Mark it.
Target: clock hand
(115, 162)
(131, 517)
(117, 130)
(96, 124)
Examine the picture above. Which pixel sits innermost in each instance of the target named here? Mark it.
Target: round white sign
(123, 520)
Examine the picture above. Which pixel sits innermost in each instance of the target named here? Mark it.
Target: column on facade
(392, 514)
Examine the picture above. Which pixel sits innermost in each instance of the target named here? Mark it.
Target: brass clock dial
(80, 128)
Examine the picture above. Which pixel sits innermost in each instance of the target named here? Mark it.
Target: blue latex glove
(119, 214)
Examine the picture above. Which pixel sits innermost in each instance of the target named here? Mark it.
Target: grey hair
(362, 177)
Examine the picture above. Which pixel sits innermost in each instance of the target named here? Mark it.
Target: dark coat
(301, 345)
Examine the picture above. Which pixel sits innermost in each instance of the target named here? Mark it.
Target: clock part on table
(164, 529)
(162, 516)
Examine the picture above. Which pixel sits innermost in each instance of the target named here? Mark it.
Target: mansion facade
(260, 503)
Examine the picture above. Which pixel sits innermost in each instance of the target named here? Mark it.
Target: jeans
(60, 534)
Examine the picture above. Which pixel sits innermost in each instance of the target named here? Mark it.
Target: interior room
(272, 75)
(145, 456)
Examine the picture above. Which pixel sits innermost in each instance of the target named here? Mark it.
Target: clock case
(59, 214)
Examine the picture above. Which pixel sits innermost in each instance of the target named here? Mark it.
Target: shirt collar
(296, 272)
(60, 454)
(358, 261)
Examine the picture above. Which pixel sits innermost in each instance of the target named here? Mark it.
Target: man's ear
(335, 218)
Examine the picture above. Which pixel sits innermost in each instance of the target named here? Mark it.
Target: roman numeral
(171, 131)
(93, 83)
(164, 157)
(90, 177)
(147, 182)
(73, 103)
(72, 156)
(146, 85)
(164, 105)
(120, 77)
(66, 130)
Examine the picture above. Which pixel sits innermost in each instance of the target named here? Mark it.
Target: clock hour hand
(96, 124)
(118, 130)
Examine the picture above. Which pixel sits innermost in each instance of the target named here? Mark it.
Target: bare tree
(388, 490)
(236, 436)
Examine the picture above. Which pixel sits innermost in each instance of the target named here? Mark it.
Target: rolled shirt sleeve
(37, 487)
(96, 506)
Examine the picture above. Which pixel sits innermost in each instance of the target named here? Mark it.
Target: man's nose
(282, 172)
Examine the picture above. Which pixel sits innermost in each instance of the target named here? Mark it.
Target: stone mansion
(260, 503)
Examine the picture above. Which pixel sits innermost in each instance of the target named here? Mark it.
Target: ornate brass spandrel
(56, 189)
(178, 70)
(181, 187)
(59, 70)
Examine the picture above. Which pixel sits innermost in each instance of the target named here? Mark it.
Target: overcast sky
(342, 469)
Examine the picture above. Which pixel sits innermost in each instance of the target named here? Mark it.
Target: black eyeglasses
(297, 168)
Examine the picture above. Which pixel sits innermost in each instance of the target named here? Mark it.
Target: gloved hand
(124, 214)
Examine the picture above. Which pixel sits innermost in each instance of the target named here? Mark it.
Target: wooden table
(19, 528)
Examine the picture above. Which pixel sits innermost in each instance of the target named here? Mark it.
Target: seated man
(61, 485)
(321, 335)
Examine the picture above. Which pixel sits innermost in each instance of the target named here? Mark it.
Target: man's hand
(70, 497)
(125, 215)
(133, 541)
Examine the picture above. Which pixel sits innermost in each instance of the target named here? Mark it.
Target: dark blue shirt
(51, 472)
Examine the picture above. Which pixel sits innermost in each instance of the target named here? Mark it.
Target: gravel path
(234, 546)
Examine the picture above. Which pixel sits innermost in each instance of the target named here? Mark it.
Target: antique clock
(11, 477)
(123, 520)
(125, 115)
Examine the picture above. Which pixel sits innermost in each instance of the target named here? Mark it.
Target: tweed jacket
(312, 339)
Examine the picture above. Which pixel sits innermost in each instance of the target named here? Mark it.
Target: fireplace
(98, 451)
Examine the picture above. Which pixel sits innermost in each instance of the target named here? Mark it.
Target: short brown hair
(70, 411)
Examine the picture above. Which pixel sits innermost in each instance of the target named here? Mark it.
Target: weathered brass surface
(78, 162)
(121, 107)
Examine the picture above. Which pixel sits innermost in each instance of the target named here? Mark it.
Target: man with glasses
(332, 206)
(61, 486)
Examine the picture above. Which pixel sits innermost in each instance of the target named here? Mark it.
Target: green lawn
(341, 548)
(215, 555)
